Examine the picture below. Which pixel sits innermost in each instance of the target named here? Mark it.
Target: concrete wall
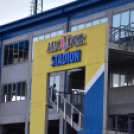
(12, 112)
(121, 100)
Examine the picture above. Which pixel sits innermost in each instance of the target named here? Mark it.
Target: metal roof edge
(34, 18)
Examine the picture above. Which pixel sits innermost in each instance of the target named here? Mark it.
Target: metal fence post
(72, 111)
(51, 95)
(64, 108)
(79, 120)
(57, 102)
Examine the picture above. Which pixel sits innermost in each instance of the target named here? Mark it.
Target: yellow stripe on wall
(92, 57)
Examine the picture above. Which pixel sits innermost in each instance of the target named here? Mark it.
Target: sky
(11, 10)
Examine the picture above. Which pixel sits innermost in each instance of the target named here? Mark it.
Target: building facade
(86, 49)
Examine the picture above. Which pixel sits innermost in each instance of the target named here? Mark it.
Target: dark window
(131, 75)
(121, 75)
(17, 52)
(14, 92)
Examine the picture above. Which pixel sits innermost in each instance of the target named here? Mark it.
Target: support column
(26, 127)
(61, 126)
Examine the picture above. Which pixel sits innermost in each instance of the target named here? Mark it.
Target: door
(58, 79)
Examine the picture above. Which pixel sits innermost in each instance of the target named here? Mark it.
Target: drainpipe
(67, 25)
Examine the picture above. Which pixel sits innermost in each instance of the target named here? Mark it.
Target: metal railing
(76, 98)
(123, 35)
(68, 110)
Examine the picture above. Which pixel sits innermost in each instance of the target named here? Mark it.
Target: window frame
(110, 79)
(127, 10)
(24, 61)
(90, 21)
(14, 83)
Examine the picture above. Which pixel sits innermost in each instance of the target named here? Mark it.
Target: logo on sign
(66, 42)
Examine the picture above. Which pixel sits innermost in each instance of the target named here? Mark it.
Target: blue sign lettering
(65, 58)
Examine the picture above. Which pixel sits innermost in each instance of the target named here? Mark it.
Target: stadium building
(69, 70)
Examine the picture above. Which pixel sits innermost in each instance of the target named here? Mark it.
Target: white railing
(68, 109)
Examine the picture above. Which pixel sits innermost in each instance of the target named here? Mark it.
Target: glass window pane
(23, 91)
(104, 20)
(18, 92)
(114, 77)
(116, 80)
(26, 47)
(54, 34)
(35, 39)
(73, 28)
(21, 51)
(14, 92)
(96, 22)
(131, 74)
(60, 32)
(80, 26)
(116, 20)
(51, 81)
(132, 20)
(41, 37)
(111, 122)
(123, 123)
(88, 24)
(123, 81)
(4, 94)
(9, 92)
(132, 17)
(47, 36)
(16, 48)
(125, 18)
(57, 82)
(16, 60)
(6, 55)
(10, 54)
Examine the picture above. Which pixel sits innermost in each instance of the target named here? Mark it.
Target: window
(123, 19)
(80, 26)
(96, 22)
(14, 92)
(116, 20)
(54, 34)
(73, 28)
(131, 75)
(55, 80)
(88, 24)
(16, 53)
(122, 75)
(47, 35)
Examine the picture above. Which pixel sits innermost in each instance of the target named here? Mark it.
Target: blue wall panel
(93, 108)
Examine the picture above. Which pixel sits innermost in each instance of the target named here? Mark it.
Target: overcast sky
(11, 10)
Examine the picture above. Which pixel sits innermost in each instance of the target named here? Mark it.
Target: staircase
(66, 109)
